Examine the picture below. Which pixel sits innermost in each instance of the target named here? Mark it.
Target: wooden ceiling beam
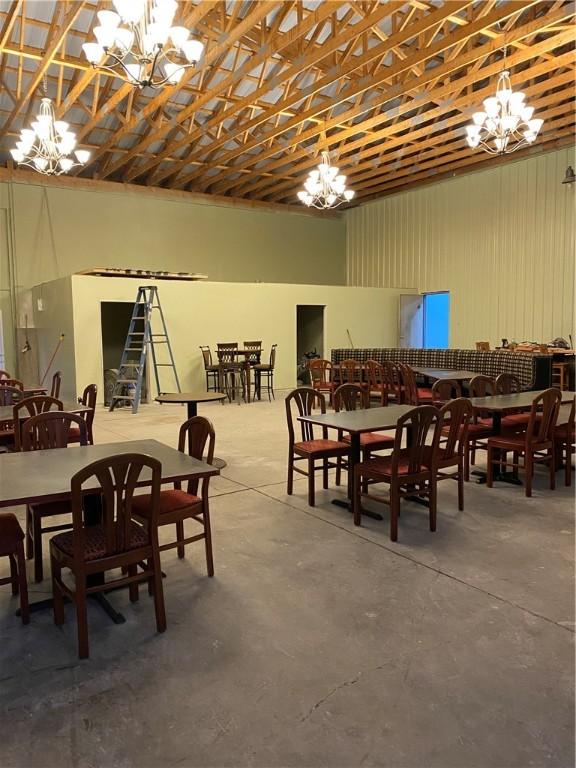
(297, 68)
(412, 84)
(65, 18)
(355, 158)
(362, 86)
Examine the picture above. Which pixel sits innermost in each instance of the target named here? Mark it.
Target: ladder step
(123, 397)
(126, 381)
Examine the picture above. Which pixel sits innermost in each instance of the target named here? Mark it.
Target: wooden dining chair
(444, 390)
(351, 371)
(117, 542)
(534, 446)
(392, 383)
(376, 379)
(88, 398)
(265, 371)
(231, 371)
(321, 376)
(12, 547)
(409, 471)
(31, 406)
(481, 427)
(564, 439)
(452, 450)
(412, 393)
(352, 397)
(210, 370)
(177, 505)
(44, 431)
(56, 382)
(256, 348)
(310, 449)
(507, 384)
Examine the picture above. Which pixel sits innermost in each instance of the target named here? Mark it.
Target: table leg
(248, 381)
(192, 409)
(353, 460)
(503, 477)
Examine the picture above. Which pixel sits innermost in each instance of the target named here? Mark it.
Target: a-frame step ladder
(140, 339)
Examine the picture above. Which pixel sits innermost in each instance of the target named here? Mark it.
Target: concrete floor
(316, 643)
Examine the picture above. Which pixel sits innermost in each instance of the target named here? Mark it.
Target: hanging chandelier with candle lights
(138, 43)
(325, 187)
(49, 146)
(506, 123)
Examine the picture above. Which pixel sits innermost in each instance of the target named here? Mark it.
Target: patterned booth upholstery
(534, 371)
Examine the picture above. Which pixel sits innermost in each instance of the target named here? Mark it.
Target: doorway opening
(115, 319)
(309, 337)
(436, 320)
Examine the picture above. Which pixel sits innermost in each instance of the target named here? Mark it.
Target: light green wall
(500, 240)
(55, 231)
(207, 313)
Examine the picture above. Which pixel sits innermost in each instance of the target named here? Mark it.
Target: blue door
(436, 320)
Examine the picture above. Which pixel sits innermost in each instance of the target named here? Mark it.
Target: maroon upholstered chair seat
(10, 533)
(170, 501)
(320, 446)
(564, 432)
(373, 439)
(515, 441)
(382, 465)
(96, 541)
(475, 431)
(425, 395)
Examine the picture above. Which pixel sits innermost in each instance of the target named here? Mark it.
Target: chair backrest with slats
(194, 435)
(351, 397)
(482, 386)
(16, 383)
(507, 384)
(226, 351)
(375, 375)
(320, 372)
(350, 371)
(56, 382)
(543, 416)
(89, 397)
(9, 395)
(456, 415)
(446, 389)
(392, 380)
(29, 407)
(117, 478)
(305, 399)
(273, 355)
(419, 421)
(51, 430)
(206, 356)
(408, 379)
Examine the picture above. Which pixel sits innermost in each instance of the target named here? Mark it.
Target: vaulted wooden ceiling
(386, 86)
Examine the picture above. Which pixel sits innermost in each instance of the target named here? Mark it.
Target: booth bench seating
(533, 371)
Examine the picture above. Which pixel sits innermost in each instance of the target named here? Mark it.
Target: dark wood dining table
(434, 374)
(44, 476)
(7, 413)
(356, 423)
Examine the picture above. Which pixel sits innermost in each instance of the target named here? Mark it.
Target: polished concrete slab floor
(316, 643)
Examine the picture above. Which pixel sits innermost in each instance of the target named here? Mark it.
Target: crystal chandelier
(506, 121)
(324, 187)
(48, 144)
(138, 50)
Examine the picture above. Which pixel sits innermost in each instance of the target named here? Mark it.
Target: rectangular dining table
(7, 414)
(44, 476)
(444, 373)
(356, 423)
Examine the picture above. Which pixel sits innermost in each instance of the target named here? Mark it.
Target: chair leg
(271, 387)
(356, 497)
(81, 601)
(394, 511)
(552, 462)
(58, 597)
(132, 570)
(37, 537)
(325, 474)
(568, 465)
(208, 542)
(460, 486)
(338, 470)
(180, 537)
(432, 503)
(150, 569)
(311, 482)
(490, 468)
(290, 483)
(467, 462)
(22, 584)
(159, 606)
(529, 472)
(13, 574)
(29, 539)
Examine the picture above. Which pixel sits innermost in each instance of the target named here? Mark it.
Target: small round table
(192, 399)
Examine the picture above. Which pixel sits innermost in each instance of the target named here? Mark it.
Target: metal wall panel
(500, 240)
